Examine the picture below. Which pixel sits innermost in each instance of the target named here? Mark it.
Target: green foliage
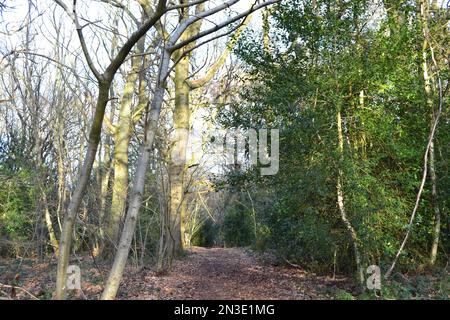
(416, 287)
(343, 295)
(206, 235)
(17, 197)
(238, 227)
(329, 59)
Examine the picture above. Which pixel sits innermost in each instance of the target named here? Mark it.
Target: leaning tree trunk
(428, 79)
(75, 201)
(105, 81)
(340, 200)
(437, 213)
(122, 137)
(120, 260)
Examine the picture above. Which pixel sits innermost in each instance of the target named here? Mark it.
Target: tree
(167, 246)
(184, 85)
(104, 83)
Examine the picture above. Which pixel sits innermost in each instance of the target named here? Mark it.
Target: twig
(22, 289)
(292, 264)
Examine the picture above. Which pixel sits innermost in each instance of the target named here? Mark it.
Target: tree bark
(340, 201)
(178, 156)
(122, 137)
(105, 81)
(120, 260)
(75, 201)
(182, 114)
(428, 79)
(437, 213)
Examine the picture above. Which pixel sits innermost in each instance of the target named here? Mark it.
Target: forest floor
(231, 274)
(214, 273)
(204, 273)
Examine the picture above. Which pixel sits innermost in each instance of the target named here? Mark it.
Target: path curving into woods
(228, 273)
(204, 273)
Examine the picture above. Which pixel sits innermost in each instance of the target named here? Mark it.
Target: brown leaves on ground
(231, 273)
(215, 273)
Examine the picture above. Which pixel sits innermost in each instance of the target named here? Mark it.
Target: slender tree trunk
(437, 213)
(60, 149)
(75, 201)
(428, 79)
(122, 137)
(120, 260)
(62, 190)
(104, 190)
(49, 224)
(340, 200)
(178, 157)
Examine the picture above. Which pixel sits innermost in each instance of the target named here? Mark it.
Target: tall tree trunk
(428, 79)
(122, 137)
(104, 83)
(182, 113)
(340, 201)
(62, 190)
(178, 154)
(104, 186)
(120, 260)
(174, 225)
(75, 201)
(437, 213)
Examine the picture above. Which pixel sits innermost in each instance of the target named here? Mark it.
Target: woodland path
(231, 273)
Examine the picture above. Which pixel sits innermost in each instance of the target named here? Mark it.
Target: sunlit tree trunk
(105, 179)
(104, 83)
(122, 135)
(178, 155)
(340, 200)
(120, 260)
(77, 196)
(428, 79)
(182, 114)
(181, 119)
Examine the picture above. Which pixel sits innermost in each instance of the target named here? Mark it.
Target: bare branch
(185, 5)
(134, 38)
(222, 25)
(79, 29)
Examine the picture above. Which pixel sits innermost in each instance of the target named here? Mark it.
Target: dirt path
(215, 273)
(232, 273)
